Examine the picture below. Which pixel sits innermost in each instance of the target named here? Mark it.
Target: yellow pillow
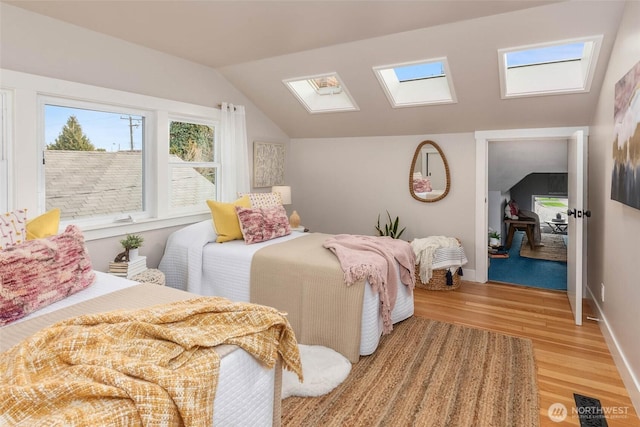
(225, 218)
(45, 225)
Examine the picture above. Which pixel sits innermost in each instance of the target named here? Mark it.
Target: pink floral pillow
(422, 185)
(40, 272)
(261, 224)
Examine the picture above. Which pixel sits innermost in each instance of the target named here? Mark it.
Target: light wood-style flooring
(569, 358)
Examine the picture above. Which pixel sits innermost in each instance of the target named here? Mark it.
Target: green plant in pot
(391, 228)
(494, 238)
(130, 243)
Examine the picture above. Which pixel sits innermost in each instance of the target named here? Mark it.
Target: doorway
(576, 138)
(533, 175)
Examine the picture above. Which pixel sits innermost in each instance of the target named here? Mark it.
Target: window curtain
(234, 154)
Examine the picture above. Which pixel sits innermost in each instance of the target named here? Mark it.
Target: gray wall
(614, 229)
(340, 185)
(538, 184)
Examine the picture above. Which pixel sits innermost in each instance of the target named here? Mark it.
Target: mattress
(246, 390)
(226, 272)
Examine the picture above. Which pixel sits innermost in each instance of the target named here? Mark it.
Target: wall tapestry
(625, 176)
(268, 164)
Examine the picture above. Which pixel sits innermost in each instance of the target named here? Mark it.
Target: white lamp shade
(285, 193)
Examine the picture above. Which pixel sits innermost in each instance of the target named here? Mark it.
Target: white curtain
(234, 152)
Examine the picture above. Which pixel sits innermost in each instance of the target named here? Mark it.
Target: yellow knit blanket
(147, 367)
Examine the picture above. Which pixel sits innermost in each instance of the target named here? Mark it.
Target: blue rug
(526, 271)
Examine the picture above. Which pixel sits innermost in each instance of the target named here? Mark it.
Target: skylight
(419, 71)
(321, 94)
(548, 69)
(417, 83)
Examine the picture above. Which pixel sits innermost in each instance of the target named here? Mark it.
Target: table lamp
(285, 196)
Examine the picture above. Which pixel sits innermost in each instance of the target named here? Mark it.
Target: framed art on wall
(268, 164)
(625, 176)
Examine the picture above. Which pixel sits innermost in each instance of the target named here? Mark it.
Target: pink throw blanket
(374, 259)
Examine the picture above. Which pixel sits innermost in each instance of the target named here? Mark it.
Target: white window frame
(147, 180)
(30, 90)
(215, 124)
(317, 102)
(541, 79)
(416, 93)
(6, 120)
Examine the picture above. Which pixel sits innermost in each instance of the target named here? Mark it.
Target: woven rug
(553, 249)
(429, 373)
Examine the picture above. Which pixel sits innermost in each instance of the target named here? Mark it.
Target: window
(548, 69)
(418, 83)
(419, 71)
(548, 208)
(93, 160)
(193, 163)
(121, 179)
(321, 94)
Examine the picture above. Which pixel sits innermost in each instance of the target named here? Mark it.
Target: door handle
(578, 214)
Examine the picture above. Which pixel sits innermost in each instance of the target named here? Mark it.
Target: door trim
(482, 148)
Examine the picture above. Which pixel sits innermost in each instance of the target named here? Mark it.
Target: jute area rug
(429, 373)
(553, 249)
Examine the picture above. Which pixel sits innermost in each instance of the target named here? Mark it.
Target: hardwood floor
(569, 358)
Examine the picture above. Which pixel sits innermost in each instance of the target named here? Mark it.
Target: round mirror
(429, 174)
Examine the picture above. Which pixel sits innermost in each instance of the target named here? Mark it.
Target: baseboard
(624, 368)
(468, 275)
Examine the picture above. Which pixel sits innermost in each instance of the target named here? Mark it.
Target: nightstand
(150, 275)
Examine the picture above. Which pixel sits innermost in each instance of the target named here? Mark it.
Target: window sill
(103, 231)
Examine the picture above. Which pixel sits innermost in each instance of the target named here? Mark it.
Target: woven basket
(438, 281)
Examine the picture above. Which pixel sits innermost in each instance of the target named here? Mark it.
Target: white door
(576, 247)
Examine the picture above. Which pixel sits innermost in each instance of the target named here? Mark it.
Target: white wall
(35, 44)
(614, 228)
(340, 185)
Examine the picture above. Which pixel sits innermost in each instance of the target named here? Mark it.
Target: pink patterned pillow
(260, 224)
(40, 272)
(263, 200)
(13, 228)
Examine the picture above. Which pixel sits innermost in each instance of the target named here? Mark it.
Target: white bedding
(190, 263)
(245, 392)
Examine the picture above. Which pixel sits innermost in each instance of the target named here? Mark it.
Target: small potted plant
(131, 243)
(391, 228)
(494, 238)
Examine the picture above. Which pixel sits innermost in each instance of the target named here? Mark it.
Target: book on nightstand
(128, 269)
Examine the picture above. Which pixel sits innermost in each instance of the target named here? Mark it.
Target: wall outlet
(602, 292)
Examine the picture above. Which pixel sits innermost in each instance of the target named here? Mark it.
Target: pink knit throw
(374, 259)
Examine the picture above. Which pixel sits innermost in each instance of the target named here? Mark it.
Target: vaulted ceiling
(258, 44)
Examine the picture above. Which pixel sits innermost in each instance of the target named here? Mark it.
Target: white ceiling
(257, 44)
